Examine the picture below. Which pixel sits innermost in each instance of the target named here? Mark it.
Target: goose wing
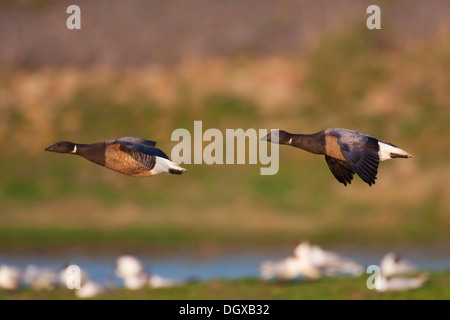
(146, 147)
(361, 152)
(138, 141)
(341, 170)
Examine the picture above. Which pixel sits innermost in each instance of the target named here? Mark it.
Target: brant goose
(346, 151)
(131, 156)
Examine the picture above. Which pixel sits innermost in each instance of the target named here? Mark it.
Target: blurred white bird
(89, 289)
(392, 264)
(40, 278)
(134, 276)
(329, 263)
(397, 283)
(83, 286)
(310, 261)
(393, 271)
(10, 277)
(128, 266)
(67, 277)
(135, 282)
(156, 281)
(288, 269)
(131, 270)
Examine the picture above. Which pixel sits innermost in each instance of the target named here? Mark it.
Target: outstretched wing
(138, 141)
(145, 147)
(341, 170)
(361, 152)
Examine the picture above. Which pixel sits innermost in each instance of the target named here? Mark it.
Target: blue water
(225, 265)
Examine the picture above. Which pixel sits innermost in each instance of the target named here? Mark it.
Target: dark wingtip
(177, 171)
(396, 155)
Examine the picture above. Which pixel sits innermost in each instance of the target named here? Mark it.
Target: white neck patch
(74, 150)
(290, 141)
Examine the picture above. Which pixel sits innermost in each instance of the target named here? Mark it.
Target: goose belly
(129, 163)
(130, 168)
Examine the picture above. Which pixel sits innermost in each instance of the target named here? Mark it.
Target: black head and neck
(314, 143)
(63, 147)
(278, 136)
(94, 152)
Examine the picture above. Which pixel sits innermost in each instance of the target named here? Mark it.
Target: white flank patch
(163, 165)
(386, 150)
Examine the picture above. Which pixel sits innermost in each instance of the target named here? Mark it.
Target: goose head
(62, 147)
(278, 136)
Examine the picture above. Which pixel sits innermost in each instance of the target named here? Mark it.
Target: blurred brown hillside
(136, 32)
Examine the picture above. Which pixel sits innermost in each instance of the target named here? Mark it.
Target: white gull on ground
(328, 262)
(132, 271)
(10, 277)
(392, 264)
(40, 278)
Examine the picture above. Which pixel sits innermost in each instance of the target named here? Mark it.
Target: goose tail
(389, 151)
(176, 169)
(163, 165)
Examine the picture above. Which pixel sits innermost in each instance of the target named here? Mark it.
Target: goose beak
(265, 138)
(49, 148)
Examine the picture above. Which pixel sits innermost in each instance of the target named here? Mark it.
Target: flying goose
(346, 151)
(131, 156)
